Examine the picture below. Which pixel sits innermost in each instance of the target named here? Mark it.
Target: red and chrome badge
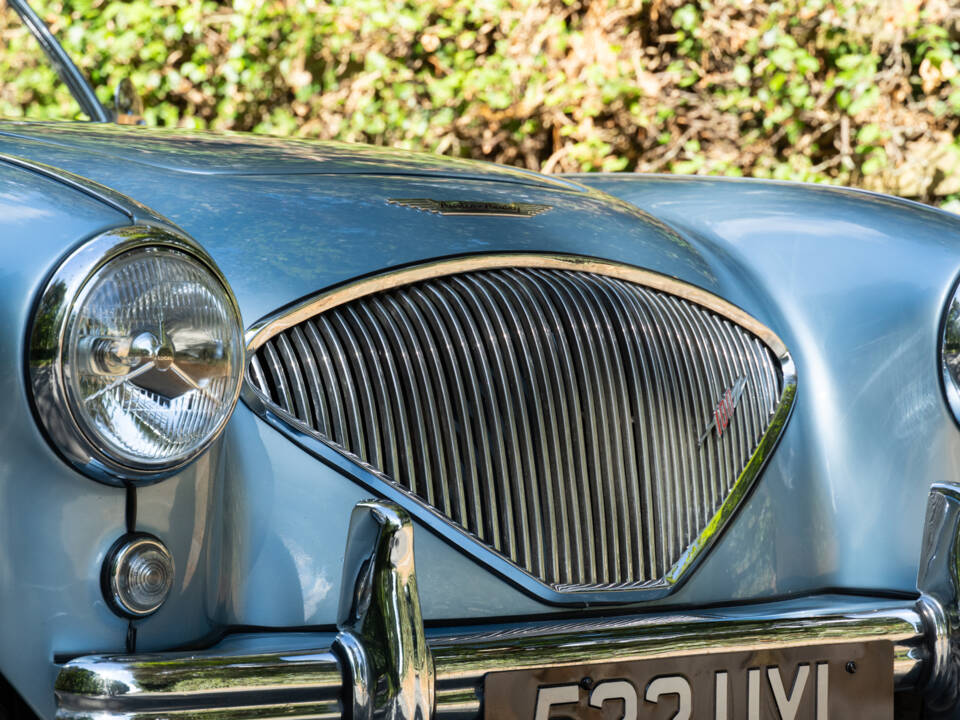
(724, 410)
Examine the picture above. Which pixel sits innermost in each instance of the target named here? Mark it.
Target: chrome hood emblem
(724, 410)
(471, 207)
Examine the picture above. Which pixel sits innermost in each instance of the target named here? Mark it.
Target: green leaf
(869, 134)
(867, 100)
(849, 62)
(741, 74)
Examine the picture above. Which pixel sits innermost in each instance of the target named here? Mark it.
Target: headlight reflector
(136, 355)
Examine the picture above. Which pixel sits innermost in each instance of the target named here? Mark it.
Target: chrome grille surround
(391, 373)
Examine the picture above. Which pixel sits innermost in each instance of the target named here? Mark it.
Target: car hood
(287, 219)
(229, 153)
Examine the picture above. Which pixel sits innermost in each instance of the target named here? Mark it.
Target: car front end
(506, 445)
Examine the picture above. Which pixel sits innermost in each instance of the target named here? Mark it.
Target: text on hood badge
(724, 410)
(471, 207)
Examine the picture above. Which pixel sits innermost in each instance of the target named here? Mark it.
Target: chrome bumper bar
(382, 664)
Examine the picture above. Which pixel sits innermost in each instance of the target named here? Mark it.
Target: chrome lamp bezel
(112, 568)
(47, 333)
(951, 389)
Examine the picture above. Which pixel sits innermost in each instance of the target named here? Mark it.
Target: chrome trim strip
(463, 661)
(138, 213)
(263, 330)
(745, 482)
(191, 687)
(510, 460)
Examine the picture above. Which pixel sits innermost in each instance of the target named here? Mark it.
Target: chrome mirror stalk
(69, 73)
(938, 580)
(381, 643)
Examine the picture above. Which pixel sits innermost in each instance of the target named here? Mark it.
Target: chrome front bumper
(382, 663)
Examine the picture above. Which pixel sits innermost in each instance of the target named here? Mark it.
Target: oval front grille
(554, 414)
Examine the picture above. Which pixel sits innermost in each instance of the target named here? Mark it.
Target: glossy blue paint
(278, 238)
(55, 526)
(857, 282)
(853, 283)
(226, 153)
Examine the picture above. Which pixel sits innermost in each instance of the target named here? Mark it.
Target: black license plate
(825, 682)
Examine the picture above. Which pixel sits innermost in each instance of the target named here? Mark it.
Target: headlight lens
(146, 353)
(153, 354)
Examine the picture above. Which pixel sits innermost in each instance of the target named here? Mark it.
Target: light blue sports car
(306, 430)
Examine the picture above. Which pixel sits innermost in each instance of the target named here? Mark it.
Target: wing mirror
(127, 105)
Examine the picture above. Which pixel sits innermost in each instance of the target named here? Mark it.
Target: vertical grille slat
(677, 390)
(554, 414)
(668, 474)
(653, 459)
(275, 368)
(397, 448)
(329, 388)
(298, 390)
(547, 438)
(581, 364)
(354, 440)
(465, 461)
(700, 401)
(569, 434)
(629, 380)
(373, 385)
(447, 479)
(258, 377)
(361, 389)
(711, 494)
(318, 418)
(690, 457)
(428, 419)
(534, 411)
(412, 421)
(611, 414)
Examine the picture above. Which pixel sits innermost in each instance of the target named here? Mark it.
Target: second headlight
(136, 355)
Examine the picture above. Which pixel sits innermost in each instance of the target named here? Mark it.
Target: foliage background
(859, 92)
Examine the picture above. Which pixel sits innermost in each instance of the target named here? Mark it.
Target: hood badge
(724, 410)
(471, 207)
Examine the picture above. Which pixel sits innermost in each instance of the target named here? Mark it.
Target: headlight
(136, 355)
(950, 353)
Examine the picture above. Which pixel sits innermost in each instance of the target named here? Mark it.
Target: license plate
(829, 682)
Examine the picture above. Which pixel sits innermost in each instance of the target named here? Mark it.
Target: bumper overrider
(383, 663)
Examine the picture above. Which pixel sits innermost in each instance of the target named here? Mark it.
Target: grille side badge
(471, 207)
(723, 413)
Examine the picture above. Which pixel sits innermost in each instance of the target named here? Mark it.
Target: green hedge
(859, 93)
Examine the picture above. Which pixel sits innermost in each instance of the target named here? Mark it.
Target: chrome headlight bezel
(47, 334)
(950, 381)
